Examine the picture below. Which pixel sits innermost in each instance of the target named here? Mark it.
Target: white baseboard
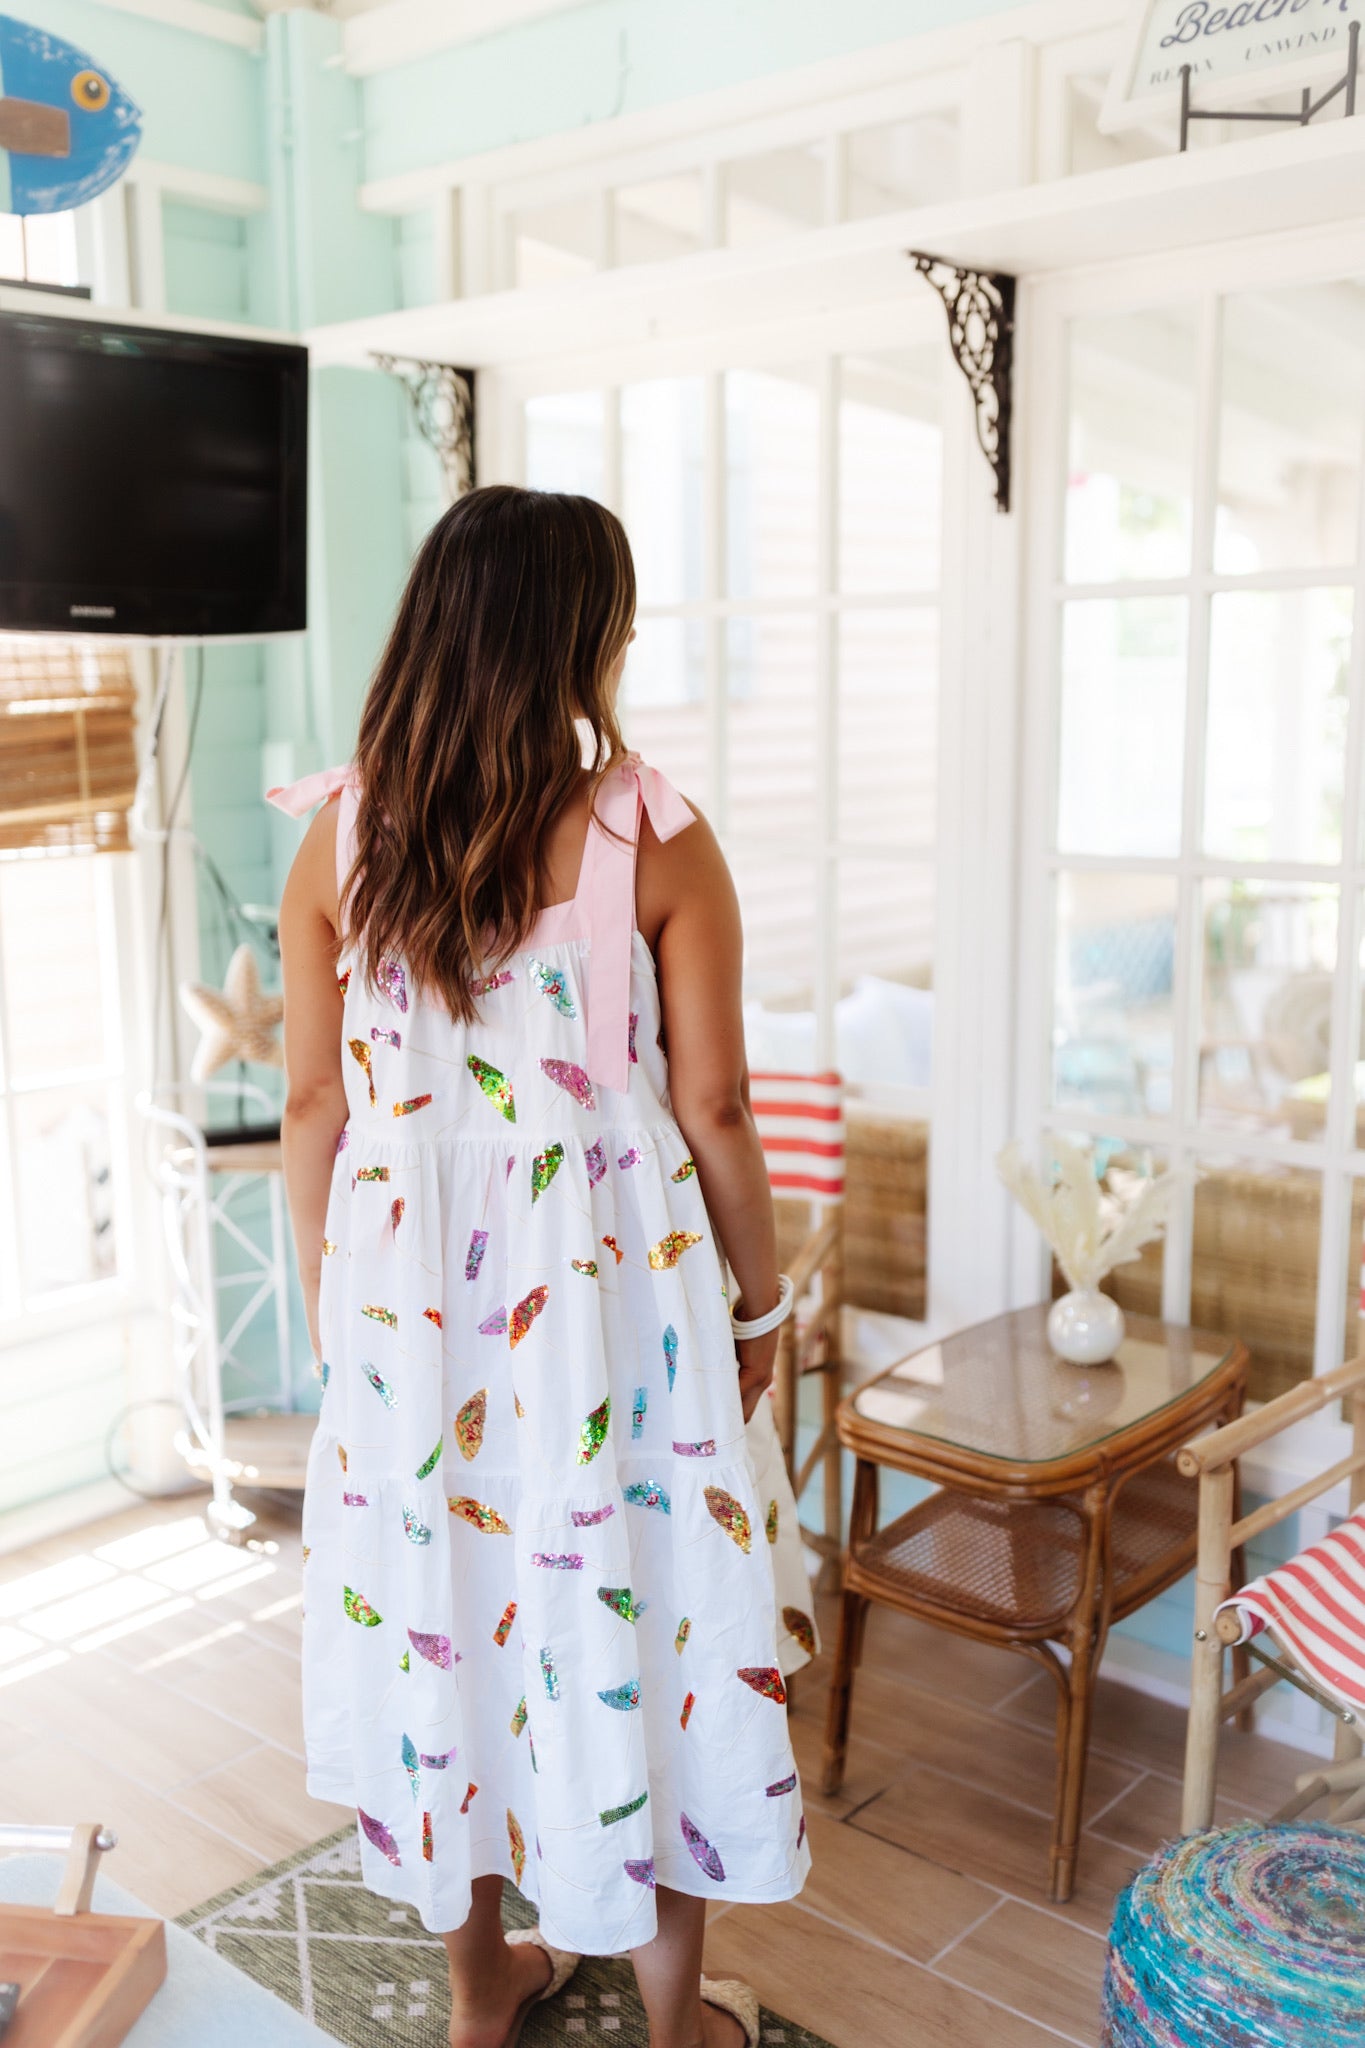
(1285, 1716)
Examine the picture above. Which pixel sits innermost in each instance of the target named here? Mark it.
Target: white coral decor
(1090, 1228)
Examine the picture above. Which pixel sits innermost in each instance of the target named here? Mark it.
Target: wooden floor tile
(165, 1856)
(256, 1686)
(938, 1660)
(856, 1995)
(994, 1842)
(261, 1801)
(869, 1769)
(1130, 1724)
(143, 1729)
(875, 1888)
(918, 1728)
(1149, 1815)
(1037, 1964)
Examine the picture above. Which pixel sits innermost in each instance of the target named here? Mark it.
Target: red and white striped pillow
(800, 1120)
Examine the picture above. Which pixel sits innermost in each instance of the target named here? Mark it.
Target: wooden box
(84, 1978)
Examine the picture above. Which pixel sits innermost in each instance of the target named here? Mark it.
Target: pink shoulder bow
(297, 797)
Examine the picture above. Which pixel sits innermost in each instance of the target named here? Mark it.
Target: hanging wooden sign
(1242, 49)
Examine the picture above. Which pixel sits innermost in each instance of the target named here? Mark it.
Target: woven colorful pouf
(1245, 1937)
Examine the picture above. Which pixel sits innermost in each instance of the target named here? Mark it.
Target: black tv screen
(151, 482)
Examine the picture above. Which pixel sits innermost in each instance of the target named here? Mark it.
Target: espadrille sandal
(562, 1966)
(739, 2000)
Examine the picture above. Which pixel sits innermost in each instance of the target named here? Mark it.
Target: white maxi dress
(552, 1583)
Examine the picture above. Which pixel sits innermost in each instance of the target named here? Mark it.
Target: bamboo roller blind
(68, 755)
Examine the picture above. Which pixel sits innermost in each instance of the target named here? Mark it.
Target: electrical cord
(168, 833)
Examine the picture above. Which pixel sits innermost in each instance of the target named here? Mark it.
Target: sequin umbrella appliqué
(726, 1510)
(624, 1698)
(469, 1424)
(520, 1318)
(664, 1255)
(766, 1680)
(573, 1079)
(392, 980)
(359, 1608)
(704, 1853)
(553, 985)
(801, 1627)
(478, 1514)
(495, 1086)
(435, 1649)
(593, 1434)
(376, 1832)
(544, 1167)
(360, 1053)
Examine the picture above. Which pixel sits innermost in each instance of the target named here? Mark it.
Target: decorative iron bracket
(980, 309)
(442, 400)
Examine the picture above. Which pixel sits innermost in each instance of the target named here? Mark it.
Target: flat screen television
(151, 481)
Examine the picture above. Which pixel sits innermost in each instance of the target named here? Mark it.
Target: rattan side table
(1059, 1508)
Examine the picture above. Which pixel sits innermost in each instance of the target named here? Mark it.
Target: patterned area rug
(368, 1973)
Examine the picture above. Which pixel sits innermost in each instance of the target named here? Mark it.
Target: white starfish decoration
(238, 1022)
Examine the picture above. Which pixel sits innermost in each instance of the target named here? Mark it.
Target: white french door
(784, 509)
(1193, 821)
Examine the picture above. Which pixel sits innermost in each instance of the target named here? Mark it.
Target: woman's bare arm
(315, 1106)
(689, 908)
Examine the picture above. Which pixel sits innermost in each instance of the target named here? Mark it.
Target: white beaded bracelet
(761, 1325)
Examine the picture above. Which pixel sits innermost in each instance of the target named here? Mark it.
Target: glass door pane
(888, 726)
(772, 465)
(770, 688)
(1113, 981)
(890, 470)
(1130, 463)
(661, 486)
(1270, 949)
(1122, 726)
(564, 443)
(1291, 418)
(1275, 761)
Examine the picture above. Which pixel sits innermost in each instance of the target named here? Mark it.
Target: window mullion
(1186, 994)
(1335, 1249)
(714, 541)
(826, 720)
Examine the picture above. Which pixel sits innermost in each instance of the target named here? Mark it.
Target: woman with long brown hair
(545, 1514)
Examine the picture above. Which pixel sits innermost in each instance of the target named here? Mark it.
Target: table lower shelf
(1015, 1566)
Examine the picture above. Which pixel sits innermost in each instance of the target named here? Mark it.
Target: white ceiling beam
(1290, 181)
(196, 18)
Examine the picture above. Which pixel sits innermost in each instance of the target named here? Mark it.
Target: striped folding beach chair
(1303, 1622)
(800, 1119)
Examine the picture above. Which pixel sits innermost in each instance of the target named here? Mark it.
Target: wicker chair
(869, 1250)
(1218, 1626)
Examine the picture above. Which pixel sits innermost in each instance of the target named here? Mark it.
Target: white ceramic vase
(1085, 1327)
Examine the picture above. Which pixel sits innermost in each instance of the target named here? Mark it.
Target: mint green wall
(201, 100)
(617, 57)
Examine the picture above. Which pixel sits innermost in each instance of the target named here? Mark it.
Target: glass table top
(999, 1391)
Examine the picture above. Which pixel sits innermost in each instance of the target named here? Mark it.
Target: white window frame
(809, 343)
(1200, 278)
(23, 1315)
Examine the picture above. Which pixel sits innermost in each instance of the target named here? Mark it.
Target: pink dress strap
(295, 798)
(606, 899)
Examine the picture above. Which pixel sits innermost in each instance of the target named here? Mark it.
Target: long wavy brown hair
(472, 737)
